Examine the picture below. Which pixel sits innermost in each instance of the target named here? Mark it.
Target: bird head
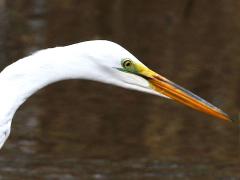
(123, 69)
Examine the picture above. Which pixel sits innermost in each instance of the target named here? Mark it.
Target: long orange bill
(178, 93)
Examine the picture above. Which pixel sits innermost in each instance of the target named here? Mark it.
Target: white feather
(92, 60)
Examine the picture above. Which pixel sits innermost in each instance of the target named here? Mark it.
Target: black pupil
(127, 63)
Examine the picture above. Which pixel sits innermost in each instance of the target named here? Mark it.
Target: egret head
(102, 61)
(123, 69)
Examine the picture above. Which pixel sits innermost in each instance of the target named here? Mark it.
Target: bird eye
(127, 63)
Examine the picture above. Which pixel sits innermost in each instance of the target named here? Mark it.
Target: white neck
(24, 77)
(21, 79)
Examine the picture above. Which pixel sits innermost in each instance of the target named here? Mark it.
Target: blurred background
(79, 129)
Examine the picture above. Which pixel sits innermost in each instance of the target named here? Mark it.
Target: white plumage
(92, 60)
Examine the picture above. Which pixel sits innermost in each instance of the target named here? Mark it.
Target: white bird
(100, 60)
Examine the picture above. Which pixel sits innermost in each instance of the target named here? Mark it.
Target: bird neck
(88, 60)
(23, 78)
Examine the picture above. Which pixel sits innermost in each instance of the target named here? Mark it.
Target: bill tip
(236, 119)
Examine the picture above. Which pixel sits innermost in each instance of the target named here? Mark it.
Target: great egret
(100, 60)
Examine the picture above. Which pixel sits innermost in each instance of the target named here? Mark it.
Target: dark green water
(86, 130)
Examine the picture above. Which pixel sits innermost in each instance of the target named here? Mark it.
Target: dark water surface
(86, 130)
